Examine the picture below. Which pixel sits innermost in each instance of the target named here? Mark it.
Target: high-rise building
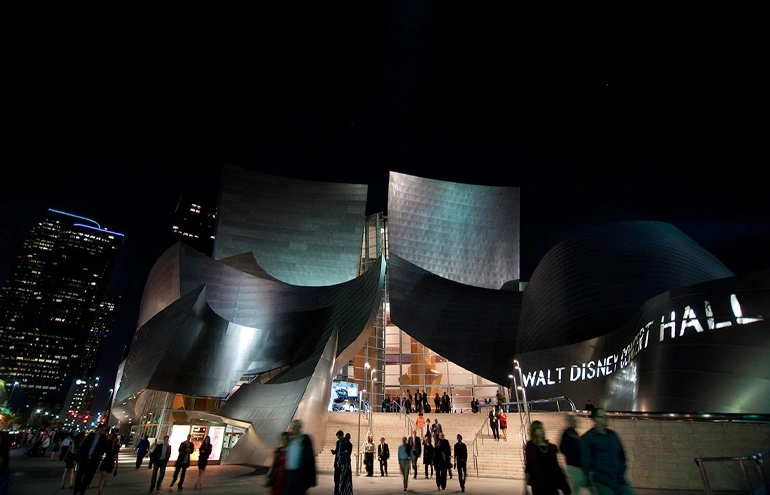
(77, 407)
(195, 224)
(51, 303)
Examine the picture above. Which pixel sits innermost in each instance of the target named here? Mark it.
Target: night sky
(115, 125)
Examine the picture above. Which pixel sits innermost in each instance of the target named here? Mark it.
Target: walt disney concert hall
(307, 297)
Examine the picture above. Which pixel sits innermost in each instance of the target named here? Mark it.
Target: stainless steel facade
(461, 232)
(229, 329)
(473, 327)
(301, 232)
(596, 281)
(257, 325)
(702, 348)
(265, 327)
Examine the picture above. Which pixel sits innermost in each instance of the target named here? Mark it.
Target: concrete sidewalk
(39, 476)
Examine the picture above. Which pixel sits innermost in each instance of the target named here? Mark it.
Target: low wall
(660, 453)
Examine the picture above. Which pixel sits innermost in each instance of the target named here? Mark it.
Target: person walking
(182, 462)
(204, 451)
(56, 444)
(159, 459)
(300, 462)
(70, 458)
(337, 453)
(89, 458)
(494, 423)
(427, 455)
(571, 446)
(415, 446)
(442, 458)
(502, 417)
(277, 473)
(542, 471)
(404, 461)
(461, 461)
(109, 463)
(383, 454)
(66, 443)
(420, 423)
(141, 450)
(5, 470)
(369, 450)
(603, 458)
(346, 470)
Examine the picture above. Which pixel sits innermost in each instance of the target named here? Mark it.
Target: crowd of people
(86, 453)
(595, 461)
(439, 457)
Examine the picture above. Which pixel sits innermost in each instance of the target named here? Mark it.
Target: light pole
(510, 393)
(372, 379)
(366, 368)
(360, 405)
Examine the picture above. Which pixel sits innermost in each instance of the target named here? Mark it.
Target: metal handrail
(408, 424)
(475, 446)
(699, 417)
(561, 398)
(757, 458)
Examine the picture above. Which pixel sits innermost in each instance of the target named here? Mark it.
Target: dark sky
(115, 122)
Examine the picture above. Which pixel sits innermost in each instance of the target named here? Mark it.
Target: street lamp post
(360, 405)
(372, 379)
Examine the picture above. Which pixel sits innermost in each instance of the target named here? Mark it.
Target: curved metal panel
(301, 232)
(152, 343)
(270, 408)
(248, 264)
(465, 233)
(594, 282)
(190, 348)
(702, 348)
(162, 286)
(473, 327)
(284, 309)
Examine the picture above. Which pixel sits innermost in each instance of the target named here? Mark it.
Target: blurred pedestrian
(571, 446)
(603, 458)
(542, 471)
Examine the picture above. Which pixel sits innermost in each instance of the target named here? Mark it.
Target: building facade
(50, 303)
(304, 292)
(194, 223)
(77, 406)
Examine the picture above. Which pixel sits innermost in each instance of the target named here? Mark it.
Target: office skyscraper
(51, 304)
(195, 223)
(77, 407)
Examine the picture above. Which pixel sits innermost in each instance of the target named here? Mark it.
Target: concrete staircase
(496, 459)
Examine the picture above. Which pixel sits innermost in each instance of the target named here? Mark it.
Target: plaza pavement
(40, 476)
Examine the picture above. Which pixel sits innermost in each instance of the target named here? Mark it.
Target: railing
(694, 417)
(408, 424)
(552, 400)
(475, 446)
(359, 454)
(757, 458)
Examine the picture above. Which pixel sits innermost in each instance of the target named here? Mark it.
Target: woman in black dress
(204, 451)
(110, 462)
(70, 458)
(542, 471)
(346, 471)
